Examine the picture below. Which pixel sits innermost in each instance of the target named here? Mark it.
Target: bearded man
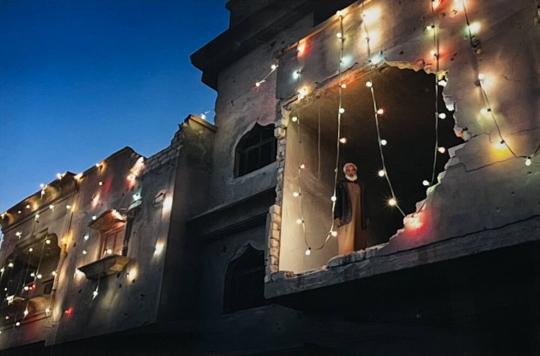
(349, 214)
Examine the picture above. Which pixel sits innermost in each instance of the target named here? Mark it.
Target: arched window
(244, 281)
(255, 150)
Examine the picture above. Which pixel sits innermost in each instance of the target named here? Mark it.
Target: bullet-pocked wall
(485, 57)
(97, 279)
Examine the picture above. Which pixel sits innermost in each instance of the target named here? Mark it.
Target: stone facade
(198, 235)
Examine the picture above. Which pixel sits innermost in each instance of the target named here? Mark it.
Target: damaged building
(226, 241)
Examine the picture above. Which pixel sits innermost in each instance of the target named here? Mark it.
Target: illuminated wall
(485, 56)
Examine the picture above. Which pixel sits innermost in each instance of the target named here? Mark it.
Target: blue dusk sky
(81, 79)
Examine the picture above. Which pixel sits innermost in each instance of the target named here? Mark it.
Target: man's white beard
(351, 178)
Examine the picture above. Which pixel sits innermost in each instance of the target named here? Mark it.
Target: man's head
(350, 171)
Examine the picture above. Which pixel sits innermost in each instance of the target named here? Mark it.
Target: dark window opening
(255, 150)
(244, 282)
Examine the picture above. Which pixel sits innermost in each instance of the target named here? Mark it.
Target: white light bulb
(32, 274)
(109, 251)
(95, 294)
(25, 312)
(299, 221)
(381, 173)
(341, 110)
(481, 77)
(39, 276)
(68, 207)
(425, 183)
(343, 85)
(53, 273)
(442, 82)
(343, 140)
(257, 84)
(333, 233)
(384, 142)
(86, 237)
(339, 35)
(51, 207)
(48, 242)
(308, 251)
(392, 202)
(296, 194)
(528, 161)
(18, 323)
(18, 234)
(294, 118)
(296, 74)
(474, 28)
(441, 150)
(30, 249)
(442, 116)
(302, 166)
(333, 198)
(47, 311)
(27, 206)
(369, 84)
(100, 183)
(380, 111)
(94, 217)
(273, 67)
(84, 252)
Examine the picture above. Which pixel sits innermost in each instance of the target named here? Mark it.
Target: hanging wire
(381, 153)
(437, 68)
(319, 139)
(375, 108)
(331, 231)
(273, 68)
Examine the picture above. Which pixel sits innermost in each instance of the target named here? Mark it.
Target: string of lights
(438, 116)
(377, 112)
(339, 141)
(273, 68)
(475, 45)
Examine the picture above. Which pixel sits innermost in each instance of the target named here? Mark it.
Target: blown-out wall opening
(407, 135)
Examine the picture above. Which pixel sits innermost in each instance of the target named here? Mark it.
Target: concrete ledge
(349, 268)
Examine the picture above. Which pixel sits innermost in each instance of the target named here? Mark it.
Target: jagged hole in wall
(408, 126)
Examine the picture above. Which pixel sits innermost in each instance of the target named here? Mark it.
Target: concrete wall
(240, 104)
(484, 186)
(313, 205)
(51, 221)
(125, 300)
